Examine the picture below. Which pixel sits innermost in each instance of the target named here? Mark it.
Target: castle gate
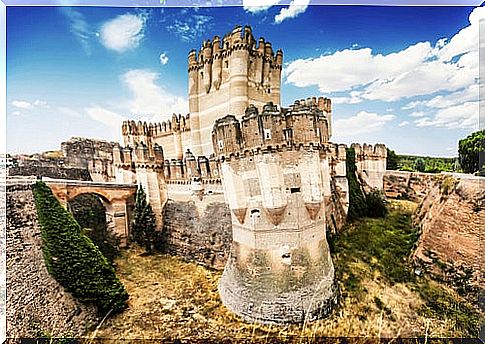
(115, 198)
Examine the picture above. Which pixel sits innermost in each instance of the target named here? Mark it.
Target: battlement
(138, 156)
(176, 124)
(238, 39)
(368, 151)
(273, 128)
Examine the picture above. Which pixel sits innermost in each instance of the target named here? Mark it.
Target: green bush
(420, 165)
(72, 258)
(376, 204)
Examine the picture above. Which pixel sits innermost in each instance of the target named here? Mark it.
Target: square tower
(226, 77)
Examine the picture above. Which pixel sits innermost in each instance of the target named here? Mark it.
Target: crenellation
(371, 164)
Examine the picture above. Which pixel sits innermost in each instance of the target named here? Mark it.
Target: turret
(226, 135)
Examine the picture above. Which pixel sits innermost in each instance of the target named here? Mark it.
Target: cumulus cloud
(362, 123)
(22, 104)
(149, 98)
(123, 32)
(421, 69)
(256, 6)
(163, 58)
(462, 116)
(296, 7)
(403, 124)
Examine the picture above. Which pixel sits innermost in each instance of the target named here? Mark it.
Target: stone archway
(115, 199)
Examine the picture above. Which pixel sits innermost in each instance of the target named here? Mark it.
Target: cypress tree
(72, 258)
(144, 225)
(357, 201)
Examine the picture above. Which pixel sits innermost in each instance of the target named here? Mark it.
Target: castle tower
(225, 77)
(371, 164)
(280, 269)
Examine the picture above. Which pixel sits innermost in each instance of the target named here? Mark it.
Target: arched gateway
(115, 197)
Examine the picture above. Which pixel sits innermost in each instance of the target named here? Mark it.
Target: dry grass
(170, 298)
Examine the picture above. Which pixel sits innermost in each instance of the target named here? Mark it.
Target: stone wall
(451, 219)
(35, 301)
(50, 172)
(411, 186)
(201, 233)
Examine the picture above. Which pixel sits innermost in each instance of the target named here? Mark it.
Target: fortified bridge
(118, 199)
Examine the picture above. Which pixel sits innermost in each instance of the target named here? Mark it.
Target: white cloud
(463, 116)
(296, 7)
(78, 27)
(21, 104)
(150, 98)
(403, 124)
(417, 114)
(16, 113)
(418, 70)
(468, 94)
(192, 25)
(123, 32)
(255, 6)
(412, 105)
(163, 58)
(362, 123)
(109, 118)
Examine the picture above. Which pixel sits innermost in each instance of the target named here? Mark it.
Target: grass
(380, 296)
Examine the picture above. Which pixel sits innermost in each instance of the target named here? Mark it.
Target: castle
(282, 177)
(273, 169)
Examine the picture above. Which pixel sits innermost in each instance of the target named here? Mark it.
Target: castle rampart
(371, 164)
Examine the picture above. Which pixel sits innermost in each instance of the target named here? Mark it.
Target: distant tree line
(471, 158)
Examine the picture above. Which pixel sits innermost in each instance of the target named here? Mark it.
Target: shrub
(420, 165)
(72, 258)
(376, 204)
(143, 229)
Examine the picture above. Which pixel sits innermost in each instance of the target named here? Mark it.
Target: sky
(403, 76)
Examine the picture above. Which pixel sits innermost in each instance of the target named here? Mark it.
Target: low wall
(411, 186)
(51, 172)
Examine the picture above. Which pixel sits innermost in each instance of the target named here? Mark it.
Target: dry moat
(380, 296)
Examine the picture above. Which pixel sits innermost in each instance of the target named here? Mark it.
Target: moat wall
(451, 219)
(35, 301)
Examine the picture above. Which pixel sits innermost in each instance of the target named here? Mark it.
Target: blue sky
(403, 76)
